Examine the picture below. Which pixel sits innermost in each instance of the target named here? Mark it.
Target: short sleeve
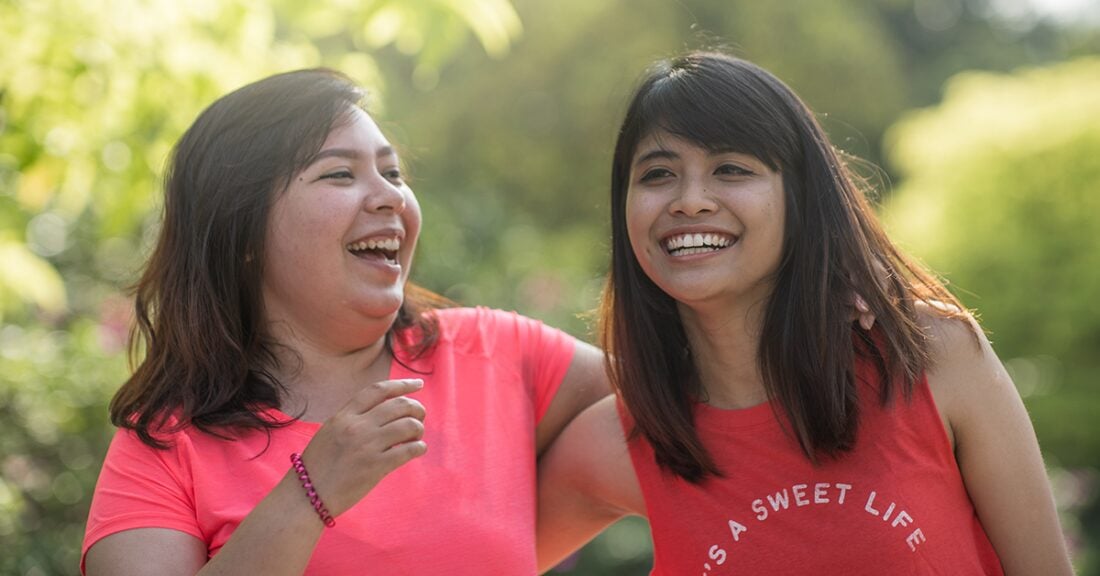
(540, 355)
(548, 353)
(141, 487)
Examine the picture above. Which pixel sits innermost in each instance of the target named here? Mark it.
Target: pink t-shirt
(466, 507)
(895, 504)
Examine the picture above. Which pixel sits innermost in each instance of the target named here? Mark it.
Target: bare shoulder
(963, 367)
(953, 334)
(995, 446)
(957, 344)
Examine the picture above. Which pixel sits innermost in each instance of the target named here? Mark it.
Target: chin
(378, 307)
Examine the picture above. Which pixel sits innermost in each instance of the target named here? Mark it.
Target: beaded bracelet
(300, 468)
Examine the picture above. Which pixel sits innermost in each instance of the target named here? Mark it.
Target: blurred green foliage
(506, 112)
(52, 438)
(1000, 195)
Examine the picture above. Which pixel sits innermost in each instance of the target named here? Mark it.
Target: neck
(320, 378)
(724, 346)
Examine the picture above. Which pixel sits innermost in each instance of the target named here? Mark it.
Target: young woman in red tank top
(755, 425)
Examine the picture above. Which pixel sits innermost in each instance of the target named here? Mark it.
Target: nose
(692, 199)
(382, 195)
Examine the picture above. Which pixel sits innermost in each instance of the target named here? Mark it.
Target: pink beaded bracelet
(300, 468)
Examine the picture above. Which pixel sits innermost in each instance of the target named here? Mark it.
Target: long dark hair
(198, 346)
(833, 246)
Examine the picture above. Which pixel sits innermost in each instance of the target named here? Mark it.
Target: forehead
(661, 139)
(359, 131)
(661, 143)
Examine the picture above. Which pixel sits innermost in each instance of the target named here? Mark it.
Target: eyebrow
(655, 154)
(665, 154)
(350, 154)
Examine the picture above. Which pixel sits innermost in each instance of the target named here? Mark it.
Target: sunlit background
(983, 117)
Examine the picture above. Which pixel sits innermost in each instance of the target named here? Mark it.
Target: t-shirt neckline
(708, 416)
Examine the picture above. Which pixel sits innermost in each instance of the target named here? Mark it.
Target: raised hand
(378, 430)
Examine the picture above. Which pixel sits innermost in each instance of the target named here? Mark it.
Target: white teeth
(686, 244)
(387, 244)
(382, 244)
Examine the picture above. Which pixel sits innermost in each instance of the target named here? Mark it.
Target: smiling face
(705, 226)
(340, 239)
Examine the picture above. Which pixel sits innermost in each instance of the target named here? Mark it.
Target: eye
(338, 175)
(655, 174)
(393, 175)
(733, 170)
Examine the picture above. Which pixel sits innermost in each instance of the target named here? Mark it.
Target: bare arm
(996, 450)
(586, 482)
(585, 382)
(377, 431)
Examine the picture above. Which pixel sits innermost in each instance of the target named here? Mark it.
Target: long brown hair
(198, 347)
(833, 246)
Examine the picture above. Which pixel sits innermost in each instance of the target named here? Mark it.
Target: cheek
(637, 228)
(301, 234)
(297, 212)
(639, 250)
(640, 212)
(775, 214)
(281, 227)
(412, 217)
(779, 217)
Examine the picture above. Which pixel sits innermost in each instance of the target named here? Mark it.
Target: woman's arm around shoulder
(996, 449)
(586, 482)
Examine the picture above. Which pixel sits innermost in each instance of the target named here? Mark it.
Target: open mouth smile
(688, 244)
(384, 248)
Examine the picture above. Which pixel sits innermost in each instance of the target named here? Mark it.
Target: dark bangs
(700, 101)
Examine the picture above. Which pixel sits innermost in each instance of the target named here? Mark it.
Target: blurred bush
(52, 437)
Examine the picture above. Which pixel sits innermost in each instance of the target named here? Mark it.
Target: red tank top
(895, 504)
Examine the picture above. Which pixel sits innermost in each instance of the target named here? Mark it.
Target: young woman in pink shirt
(755, 425)
(298, 407)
